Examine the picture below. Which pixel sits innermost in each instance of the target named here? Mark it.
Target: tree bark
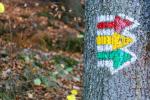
(133, 81)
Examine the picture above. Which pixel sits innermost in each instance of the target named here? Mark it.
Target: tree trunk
(75, 6)
(103, 81)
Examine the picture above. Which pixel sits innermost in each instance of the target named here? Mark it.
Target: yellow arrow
(116, 40)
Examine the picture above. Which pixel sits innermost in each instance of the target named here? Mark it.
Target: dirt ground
(41, 47)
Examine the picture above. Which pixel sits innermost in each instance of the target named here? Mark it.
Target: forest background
(41, 47)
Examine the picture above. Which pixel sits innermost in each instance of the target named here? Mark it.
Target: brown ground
(46, 29)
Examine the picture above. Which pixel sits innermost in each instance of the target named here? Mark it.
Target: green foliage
(37, 63)
(25, 57)
(3, 29)
(37, 81)
(3, 53)
(64, 65)
(33, 61)
(24, 16)
(27, 74)
(70, 44)
(5, 96)
(45, 14)
(7, 91)
(48, 42)
(74, 44)
(68, 62)
(69, 69)
(48, 82)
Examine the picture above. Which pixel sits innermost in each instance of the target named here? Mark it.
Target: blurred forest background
(41, 46)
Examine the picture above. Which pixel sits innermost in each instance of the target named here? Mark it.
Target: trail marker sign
(112, 49)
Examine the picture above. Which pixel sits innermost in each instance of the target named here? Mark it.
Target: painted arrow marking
(112, 40)
(116, 40)
(118, 24)
(119, 57)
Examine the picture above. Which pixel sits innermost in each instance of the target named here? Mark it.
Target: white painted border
(109, 63)
(101, 48)
(135, 23)
(111, 18)
(126, 64)
(131, 36)
(105, 32)
(109, 47)
(103, 63)
(105, 18)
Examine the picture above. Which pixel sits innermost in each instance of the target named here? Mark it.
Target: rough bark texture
(132, 82)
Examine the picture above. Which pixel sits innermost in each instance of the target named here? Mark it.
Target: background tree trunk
(132, 82)
(75, 6)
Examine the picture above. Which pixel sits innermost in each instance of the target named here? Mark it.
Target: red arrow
(118, 24)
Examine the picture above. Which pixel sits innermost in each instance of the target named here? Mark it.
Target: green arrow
(118, 56)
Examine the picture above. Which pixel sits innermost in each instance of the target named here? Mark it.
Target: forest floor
(41, 45)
